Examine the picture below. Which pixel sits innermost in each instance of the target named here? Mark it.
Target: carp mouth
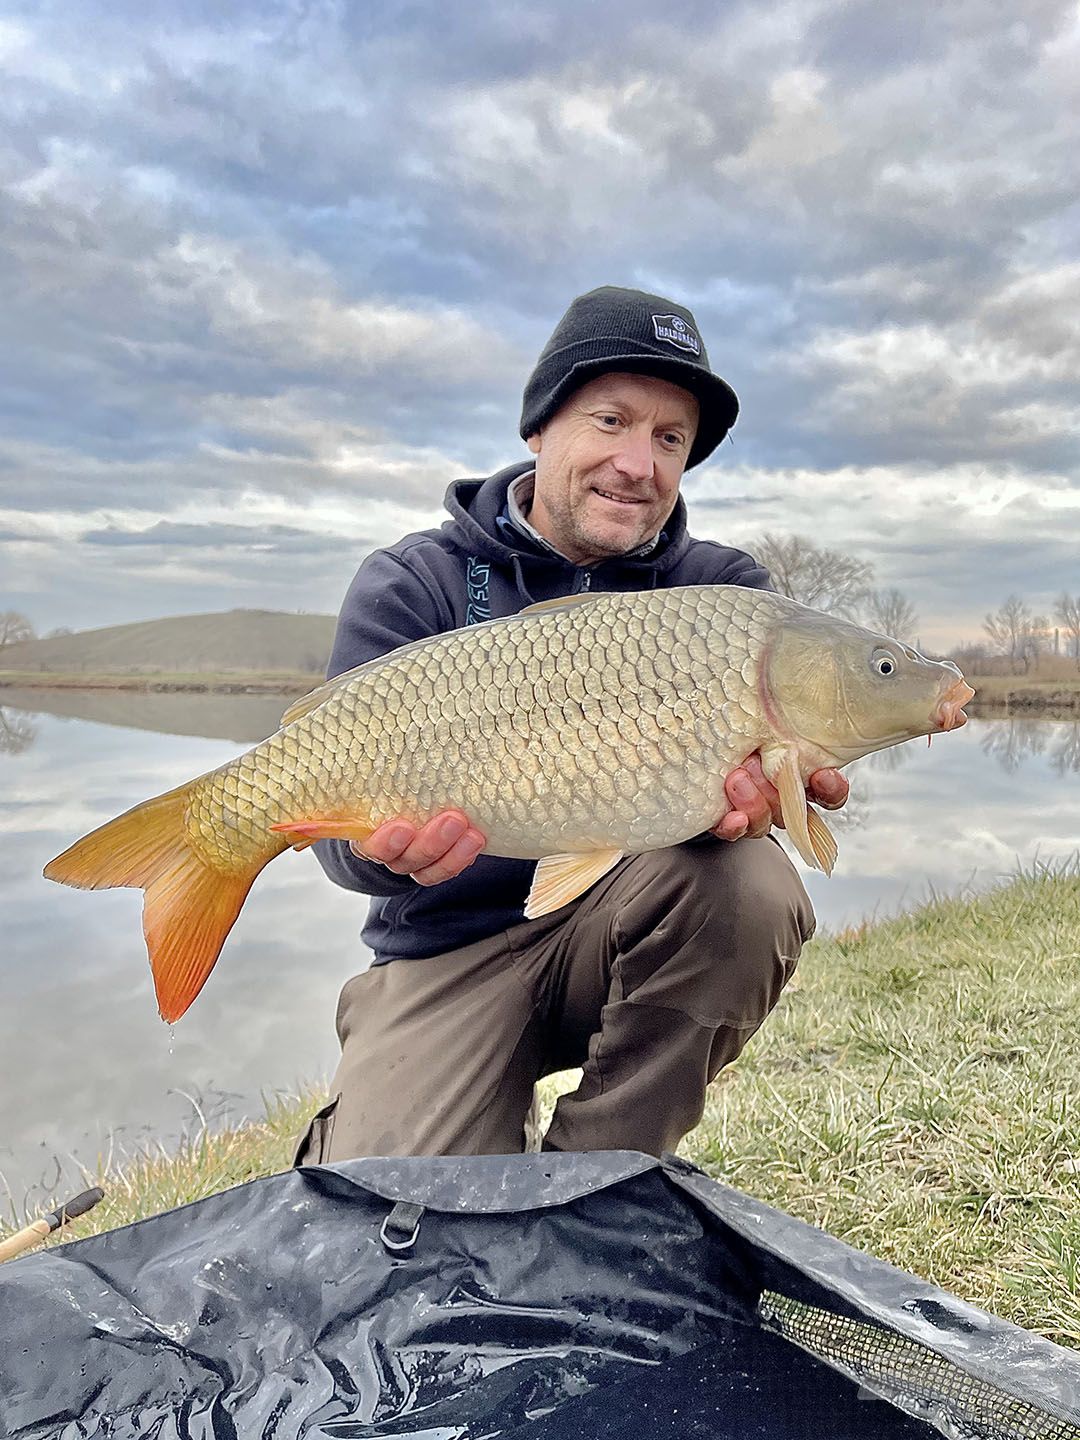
(949, 714)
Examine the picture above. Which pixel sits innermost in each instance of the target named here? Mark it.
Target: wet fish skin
(565, 730)
(573, 733)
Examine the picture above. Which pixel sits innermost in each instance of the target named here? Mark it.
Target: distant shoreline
(235, 683)
(995, 695)
(1016, 694)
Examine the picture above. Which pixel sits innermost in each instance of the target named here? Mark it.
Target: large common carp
(574, 733)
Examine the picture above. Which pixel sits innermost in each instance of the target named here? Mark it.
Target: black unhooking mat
(540, 1297)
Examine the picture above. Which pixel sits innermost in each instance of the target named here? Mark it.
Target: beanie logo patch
(675, 330)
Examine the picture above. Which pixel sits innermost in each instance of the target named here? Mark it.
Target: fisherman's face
(608, 465)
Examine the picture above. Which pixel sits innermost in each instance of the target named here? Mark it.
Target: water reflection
(895, 758)
(1014, 741)
(242, 718)
(17, 732)
(248, 719)
(1010, 741)
(1066, 752)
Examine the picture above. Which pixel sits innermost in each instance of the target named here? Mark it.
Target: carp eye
(884, 662)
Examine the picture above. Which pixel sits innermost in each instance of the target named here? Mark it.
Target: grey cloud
(304, 251)
(277, 540)
(735, 502)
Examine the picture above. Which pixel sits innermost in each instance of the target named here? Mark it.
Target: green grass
(914, 1093)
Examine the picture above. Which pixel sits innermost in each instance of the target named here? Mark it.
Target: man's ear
(533, 442)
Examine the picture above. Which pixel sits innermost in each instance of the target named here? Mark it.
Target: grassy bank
(914, 1093)
(225, 683)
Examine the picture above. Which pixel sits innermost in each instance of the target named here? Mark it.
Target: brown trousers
(651, 982)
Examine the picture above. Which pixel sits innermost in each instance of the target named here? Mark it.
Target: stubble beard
(593, 542)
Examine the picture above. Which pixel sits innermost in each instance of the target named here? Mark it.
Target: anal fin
(562, 878)
(302, 833)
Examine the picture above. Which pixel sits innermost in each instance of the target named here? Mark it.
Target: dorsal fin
(561, 602)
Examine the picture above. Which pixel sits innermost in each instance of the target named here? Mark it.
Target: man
(657, 976)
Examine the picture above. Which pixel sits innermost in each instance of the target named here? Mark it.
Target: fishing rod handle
(35, 1232)
(23, 1239)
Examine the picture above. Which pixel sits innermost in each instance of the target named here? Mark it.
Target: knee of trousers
(714, 931)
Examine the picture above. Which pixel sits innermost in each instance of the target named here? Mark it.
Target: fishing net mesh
(912, 1376)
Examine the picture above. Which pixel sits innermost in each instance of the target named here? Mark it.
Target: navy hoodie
(478, 566)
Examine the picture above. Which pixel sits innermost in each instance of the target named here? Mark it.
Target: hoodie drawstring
(519, 580)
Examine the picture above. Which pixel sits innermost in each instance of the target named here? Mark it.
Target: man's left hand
(755, 804)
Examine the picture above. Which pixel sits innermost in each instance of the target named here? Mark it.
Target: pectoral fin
(562, 878)
(810, 835)
(822, 840)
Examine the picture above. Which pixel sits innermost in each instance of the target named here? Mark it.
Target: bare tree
(1036, 639)
(892, 613)
(14, 627)
(16, 732)
(972, 656)
(826, 579)
(1009, 628)
(1067, 610)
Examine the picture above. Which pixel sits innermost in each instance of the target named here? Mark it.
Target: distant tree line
(830, 580)
(15, 627)
(1017, 634)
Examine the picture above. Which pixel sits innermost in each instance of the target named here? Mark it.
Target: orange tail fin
(188, 909)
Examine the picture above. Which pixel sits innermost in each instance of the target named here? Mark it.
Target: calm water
(83, 1056)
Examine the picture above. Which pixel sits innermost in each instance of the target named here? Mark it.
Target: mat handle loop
(401, 1227)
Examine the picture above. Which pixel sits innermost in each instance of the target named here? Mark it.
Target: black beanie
(615, 329)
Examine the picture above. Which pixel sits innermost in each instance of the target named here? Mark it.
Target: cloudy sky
(272, 274)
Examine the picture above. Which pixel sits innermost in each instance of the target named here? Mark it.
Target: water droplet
(172, 1036)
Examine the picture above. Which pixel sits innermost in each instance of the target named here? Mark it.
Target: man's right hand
(430, 853)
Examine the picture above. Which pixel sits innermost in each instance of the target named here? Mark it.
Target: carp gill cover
(574, 733)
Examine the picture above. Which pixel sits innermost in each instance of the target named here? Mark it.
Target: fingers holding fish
(828, 788)
(755, 804)
(436, 851)
(755, 801)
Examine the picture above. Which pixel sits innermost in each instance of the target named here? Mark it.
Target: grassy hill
(234, 642)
